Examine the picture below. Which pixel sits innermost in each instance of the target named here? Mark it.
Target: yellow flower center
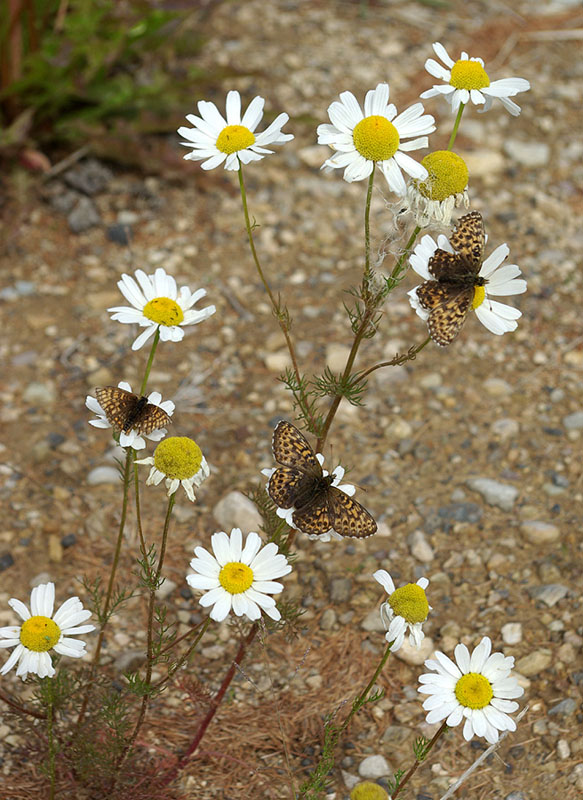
(474, 690)
(375, 138)
(178, 457)
(368, 791)
(479, 296)
(39, 634)
(469, 75)
(236, 577)
(164, 311)
(448, 175)
(410, 603)
(233, 138)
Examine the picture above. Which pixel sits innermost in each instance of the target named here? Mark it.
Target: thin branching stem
(150, 360)
(282, 319)
(20, 708)
(397, 361)
(413, 768)
(215, 703)
(50, 735)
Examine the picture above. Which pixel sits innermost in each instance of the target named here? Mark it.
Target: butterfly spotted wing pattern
(300, 482)
(126, 411)
(449, 297)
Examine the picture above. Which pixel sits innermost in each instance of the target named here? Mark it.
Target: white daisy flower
(232, 141)
(446, 187)
(287, 513)
(406, 609)
(42, 631)
(238, 578)
(466, 79)
(477, 687)
(500, 281)
(180, 461)
(156, 303)
(375, 137)
(132, 438)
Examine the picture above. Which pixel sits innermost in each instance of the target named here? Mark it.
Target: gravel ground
(470, 456)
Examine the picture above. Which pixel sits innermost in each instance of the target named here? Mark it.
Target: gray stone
(37, 393)
(502, 495)
(461, 512)
(529, 154)
(129, 661)
(375, 767)
(516, 796)
(340, 590)
(328, 619)
(573, 422)
(166, 589)
(497, 387)
(415, 655)
(538, 532)
(550, 594)
(89, 176)
(235, 510)
(565, 708)
(84, 216)
(420, 547)
(563, 749)
(373, 622)
(103, 475)
(512, 633)
(505, 428)
(535, 662)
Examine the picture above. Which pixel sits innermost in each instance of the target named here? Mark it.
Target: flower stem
(107, 603)
(367, 269)
(456, 125)
(150, 360)
(181, 763)
(20, 708)
(418, 761)
(280, 313)
(397, 361)
(50, 735)
(398, 268)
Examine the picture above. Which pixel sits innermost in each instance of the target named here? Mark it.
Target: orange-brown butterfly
(126, 410)
(300, 482)
(449, 297)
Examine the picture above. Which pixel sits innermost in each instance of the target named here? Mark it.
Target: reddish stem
(215, 703)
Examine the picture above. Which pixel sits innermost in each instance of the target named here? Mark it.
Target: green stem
(398, 268)
(456, 125)
(367, 269)
(50, 735)
(281, 316)
(397, 361)
(106, 606)
(363, 695)
(153, 581)
(150, 360)
(418, 761)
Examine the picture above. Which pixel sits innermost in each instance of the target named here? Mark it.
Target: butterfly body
(300, 483)
(449, 297)
(126, 411)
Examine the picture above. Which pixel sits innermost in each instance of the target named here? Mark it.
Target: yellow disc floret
(474, 690)
(39, 634)
(236, 577)
(375, 138)
(164, 311)
(479, 296)
(448, 175)
(233, 138)
(410, 603)
(469, 75)
(367, 790)
(178, 457)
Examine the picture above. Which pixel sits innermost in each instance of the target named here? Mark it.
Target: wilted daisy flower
(238, 578)
(375, 137)
(156, 304)
(132, 438)
(466, 79)
(179, 460)
(287, 513)
(499, 281)
(42, 631)
(445, 188)
(233, 140)
(406, 608)
(477, 687)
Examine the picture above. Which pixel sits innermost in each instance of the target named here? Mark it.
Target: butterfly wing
(447, 267)
(315, 517)
(469, 239)
(150, 419)
(117, 404)
(292, 449)
(448, 307)
(348, 517)
(284, 486)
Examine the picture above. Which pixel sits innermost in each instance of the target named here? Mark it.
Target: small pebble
(502, 495)
(103, 475)
(235, 510)
(375, 767)
(512, 633)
